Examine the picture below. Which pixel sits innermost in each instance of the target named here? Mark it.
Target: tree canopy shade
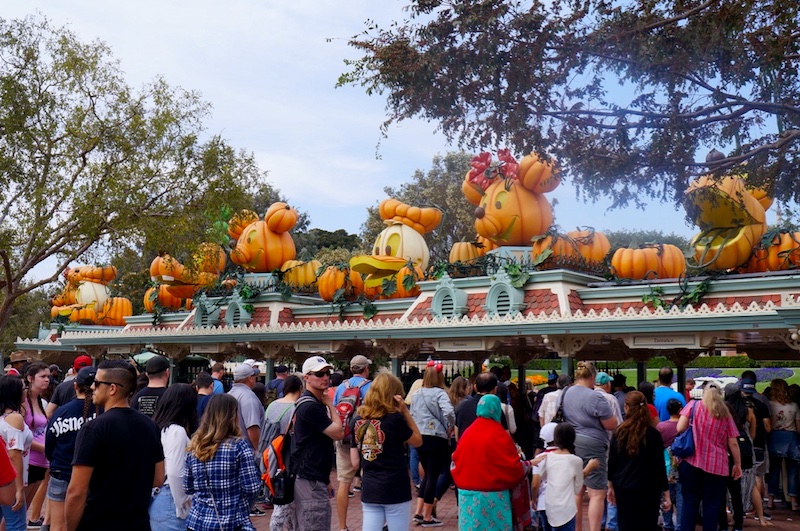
(628, 96)
(88, 163)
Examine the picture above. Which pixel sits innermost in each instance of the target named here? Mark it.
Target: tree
(628, 96)
(29, 311)
(439, 187)
(626, 238)
(315, 240)
(88, 164)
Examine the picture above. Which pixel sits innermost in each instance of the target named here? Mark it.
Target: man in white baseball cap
(316, 426)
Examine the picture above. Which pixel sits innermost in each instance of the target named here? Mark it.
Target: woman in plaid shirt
(220, 473)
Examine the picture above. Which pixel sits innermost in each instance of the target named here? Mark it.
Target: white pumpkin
(402, 241)
(92, 292)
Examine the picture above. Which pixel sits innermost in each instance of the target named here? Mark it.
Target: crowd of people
(112, 447)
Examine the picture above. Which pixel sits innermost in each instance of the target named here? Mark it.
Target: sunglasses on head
(321, 374)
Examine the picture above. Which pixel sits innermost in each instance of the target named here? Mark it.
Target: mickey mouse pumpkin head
(511, 208)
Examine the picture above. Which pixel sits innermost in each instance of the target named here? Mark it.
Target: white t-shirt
(564, 476)
(174, 441)
(784, 415)
(18, 440)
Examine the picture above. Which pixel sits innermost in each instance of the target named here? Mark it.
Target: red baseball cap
(81, 362)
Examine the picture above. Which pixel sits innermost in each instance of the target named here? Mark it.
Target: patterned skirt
(484, 510)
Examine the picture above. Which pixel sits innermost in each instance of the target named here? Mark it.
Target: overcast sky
(269, 69)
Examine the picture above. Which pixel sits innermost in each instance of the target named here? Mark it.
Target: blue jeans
(543, 523)
(675, 510)
(15, 520)
(700, 487)
(610, 518)
(569, 526)
(396, 515)
(162, 512)
(413, 463)
(780, 449)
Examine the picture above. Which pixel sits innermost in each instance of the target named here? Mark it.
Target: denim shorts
(57, 489)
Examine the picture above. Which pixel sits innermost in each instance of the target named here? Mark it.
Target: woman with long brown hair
(220, 473)
(637, 475)
(383, 426)
(434, 414)
(785, 416)
(703, 475)
(37, 381)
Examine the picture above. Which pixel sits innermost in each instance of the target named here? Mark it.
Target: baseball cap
(747, 386)
(731, 389)
(316, 363)
(244, 370)
(86, 375)
(619, 380)
(280, 369)
(54, 367)
(548, 433)
(156, 364)
(360, 361)
(602, 378)
(81, 361)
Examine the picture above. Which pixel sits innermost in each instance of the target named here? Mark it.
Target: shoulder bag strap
(211, 493)
(561, 402)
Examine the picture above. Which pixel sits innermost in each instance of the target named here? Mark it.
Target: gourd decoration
(85, 293)
(730, 216)
(511, 208)
(239, 221)
(399, 244)
(340, 279)
(465, 252)
(654, 260)
(265, 245)
(115, 310)
(776, 251)
(164, 297)
(207, 262)
(299, 274)
(575, 248)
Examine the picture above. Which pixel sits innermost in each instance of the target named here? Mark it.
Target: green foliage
(628, 96)
(89, 165)
(707, 362)
(440, 186)
(633, 238)
(30, 310)
(318, 240)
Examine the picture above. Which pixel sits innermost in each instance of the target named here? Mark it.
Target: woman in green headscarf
(486, 464)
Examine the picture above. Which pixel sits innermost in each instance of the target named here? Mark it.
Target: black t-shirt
(383, 458)
(122, 446)
(467, 412)
(64, 393)
(761, 412)
(312, 450)
(145, 400)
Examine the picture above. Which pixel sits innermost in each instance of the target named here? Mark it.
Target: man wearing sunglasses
(316, 426)
(118, 459)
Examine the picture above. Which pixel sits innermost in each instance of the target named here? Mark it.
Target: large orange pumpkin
(591, 244)
(537, 176)
(636, 264)
(335, 278)
(421, 219)
(464, 252)
(671, 260)
(559, 244)
(262, 250)
(715, 203)
(84, 315)
(115, 310)
(402, 291)
(510, 214)
(280, 217)
(165, 266)
(167, 300)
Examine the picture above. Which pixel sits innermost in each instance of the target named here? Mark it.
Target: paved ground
(783, 519)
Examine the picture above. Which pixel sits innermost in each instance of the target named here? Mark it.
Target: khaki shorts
(345, 472)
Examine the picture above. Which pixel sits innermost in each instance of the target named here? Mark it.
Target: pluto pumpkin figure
(398, 245)
(263, 245)
(511, 206)
(86, 298)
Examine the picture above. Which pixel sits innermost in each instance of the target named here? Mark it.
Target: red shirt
(710, 440)
(7, 472)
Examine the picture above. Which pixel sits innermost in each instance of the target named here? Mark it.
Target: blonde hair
(714, 403)
(585, 371)
(779, 391)
(379, 400)
(433, 378)
(220, 423)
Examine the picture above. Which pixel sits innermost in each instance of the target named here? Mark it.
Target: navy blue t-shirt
(62, 432)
